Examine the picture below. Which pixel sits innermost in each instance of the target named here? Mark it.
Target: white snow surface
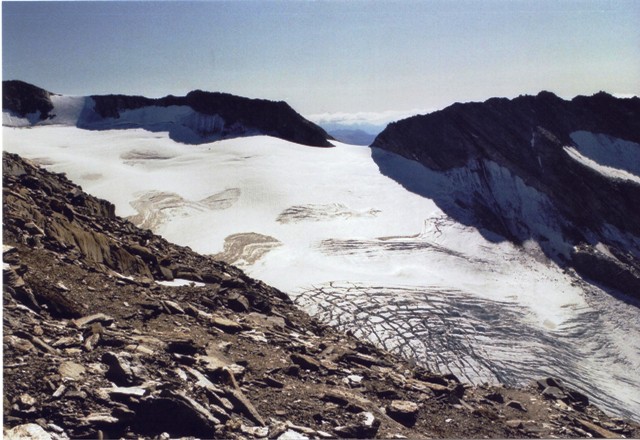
(325, 226)
(178, 282)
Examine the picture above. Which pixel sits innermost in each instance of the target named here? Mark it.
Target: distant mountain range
(352, 136)
(198, 117)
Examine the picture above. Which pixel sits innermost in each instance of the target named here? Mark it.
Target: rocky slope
(565, 174)
(196, 118)
(129, 336)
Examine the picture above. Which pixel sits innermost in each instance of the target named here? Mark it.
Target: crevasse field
(359, 251)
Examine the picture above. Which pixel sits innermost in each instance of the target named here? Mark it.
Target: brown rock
(173, 307)
(71, 370)
(495, 397)
(596, 430)
(120, 371)
(516, 405)
(273, 382)
(305, 362)
(27, 431)
(238, 303)
(403, 411)
(226, 325)
(88, 320)
(245, 406)
(365, 426)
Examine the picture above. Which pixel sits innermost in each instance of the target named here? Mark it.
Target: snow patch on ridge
(607, 171)
(612, 157)
(608, 152)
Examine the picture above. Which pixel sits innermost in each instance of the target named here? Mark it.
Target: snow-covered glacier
(357, 249)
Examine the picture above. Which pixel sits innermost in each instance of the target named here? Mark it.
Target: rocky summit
(562, 174)
(112, 332)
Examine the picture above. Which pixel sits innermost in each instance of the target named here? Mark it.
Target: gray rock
(553, 393)
(120, 371)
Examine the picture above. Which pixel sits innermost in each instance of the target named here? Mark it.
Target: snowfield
(358, 250)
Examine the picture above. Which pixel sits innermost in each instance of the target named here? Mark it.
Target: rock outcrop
(195, 118)
(130, 336)
(565, 174)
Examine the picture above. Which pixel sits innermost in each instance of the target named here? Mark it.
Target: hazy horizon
(327, 57)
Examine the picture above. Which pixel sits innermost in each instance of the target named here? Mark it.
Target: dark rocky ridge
(526, 136)
(241, 115)
(23, 98)
(118, 355)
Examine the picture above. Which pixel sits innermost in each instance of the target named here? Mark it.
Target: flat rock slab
(96, 317)
(226, 325)
(596, 430)
(305, 362)
(126, 391)
(71, 370)
(403, 411)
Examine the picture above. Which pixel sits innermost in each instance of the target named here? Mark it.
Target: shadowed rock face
(239, 116)
(523, 140)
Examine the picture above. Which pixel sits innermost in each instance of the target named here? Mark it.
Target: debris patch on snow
(156, 207)
(245, 249)
(316, 213)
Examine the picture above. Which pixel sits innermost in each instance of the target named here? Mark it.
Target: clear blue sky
(327, 56)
